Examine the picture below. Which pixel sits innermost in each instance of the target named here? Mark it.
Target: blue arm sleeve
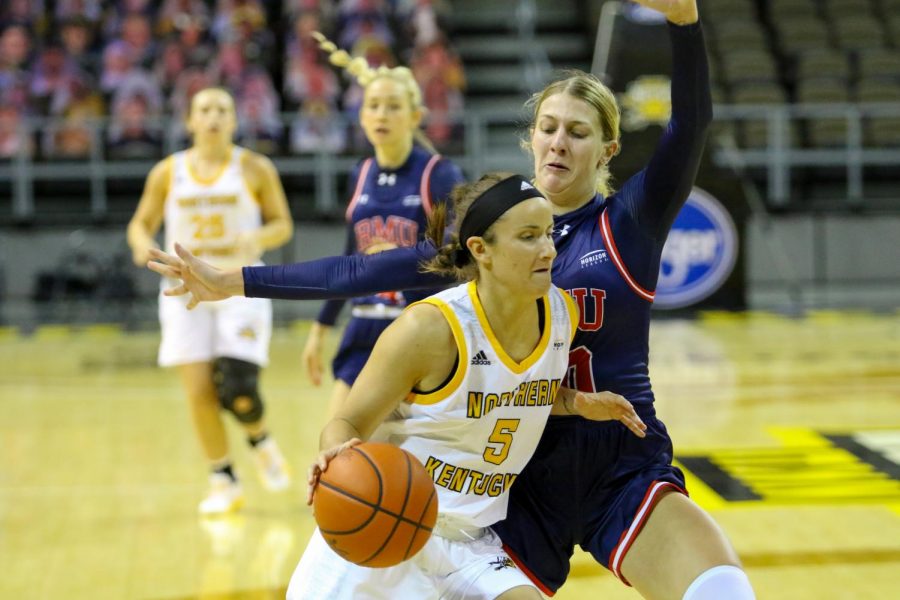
(345, 276)
(658, 192)
(329, 312)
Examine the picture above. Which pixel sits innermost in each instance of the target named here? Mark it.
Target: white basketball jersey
(476, 433)
(206, 216)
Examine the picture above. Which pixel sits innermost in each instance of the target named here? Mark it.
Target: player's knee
(237, 386)
(724, 581)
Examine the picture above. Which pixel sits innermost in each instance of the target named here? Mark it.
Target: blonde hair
(359, 68)
(447, 261)
(591, 90)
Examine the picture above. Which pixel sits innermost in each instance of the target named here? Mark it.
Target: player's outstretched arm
(345, 276)
(319, 279)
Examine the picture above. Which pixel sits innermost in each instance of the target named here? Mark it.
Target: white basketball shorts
(443, 569)
(237, 328)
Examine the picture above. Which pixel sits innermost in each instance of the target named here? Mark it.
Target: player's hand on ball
(321, 463)
(607, 406)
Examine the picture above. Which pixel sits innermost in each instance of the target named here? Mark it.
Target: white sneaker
(271, 466)
(225, 495)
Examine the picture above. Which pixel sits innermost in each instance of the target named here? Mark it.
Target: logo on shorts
(480, 358)
(247, 332)
(502, 562)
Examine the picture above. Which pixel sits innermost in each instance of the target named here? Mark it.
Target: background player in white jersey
(507, 330)
(228, 205)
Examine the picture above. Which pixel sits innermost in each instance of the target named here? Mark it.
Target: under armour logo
(387, 178)
(564, 230)
(480, 358)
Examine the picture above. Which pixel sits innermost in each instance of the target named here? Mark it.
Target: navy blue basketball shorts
(590, 483)
(355, 347)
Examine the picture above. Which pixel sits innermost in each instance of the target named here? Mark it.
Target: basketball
(375, 505)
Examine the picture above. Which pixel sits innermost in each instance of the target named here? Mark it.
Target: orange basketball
(375, 505)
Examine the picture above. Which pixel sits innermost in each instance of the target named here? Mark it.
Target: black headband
(490, 206)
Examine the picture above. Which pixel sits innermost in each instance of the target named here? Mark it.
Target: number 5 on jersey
(502, 435)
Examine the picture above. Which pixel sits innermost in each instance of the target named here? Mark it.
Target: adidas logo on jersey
(480, 358)
(525, 186)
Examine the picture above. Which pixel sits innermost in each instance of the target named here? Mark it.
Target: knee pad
(237, 385)
(724, 581)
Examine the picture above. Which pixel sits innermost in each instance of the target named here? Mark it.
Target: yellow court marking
(808, 467)
(701, 493)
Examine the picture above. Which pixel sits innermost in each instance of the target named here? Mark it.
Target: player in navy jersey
(393, 194)
(617, 496)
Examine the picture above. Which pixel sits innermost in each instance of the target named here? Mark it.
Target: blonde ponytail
(359, 68)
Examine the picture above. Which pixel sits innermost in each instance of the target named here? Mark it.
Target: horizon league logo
(699, 254)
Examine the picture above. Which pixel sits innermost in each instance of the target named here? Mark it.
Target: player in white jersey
(465, 380)
(226, 204)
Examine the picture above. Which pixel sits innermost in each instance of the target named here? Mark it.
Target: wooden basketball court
(789, 430)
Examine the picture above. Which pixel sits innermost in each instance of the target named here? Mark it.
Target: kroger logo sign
(699, 253)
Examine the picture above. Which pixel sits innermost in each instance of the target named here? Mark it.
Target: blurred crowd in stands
(138, 62)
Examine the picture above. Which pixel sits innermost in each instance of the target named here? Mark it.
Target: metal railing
(779, 157)
(22, 171)
(483, 149)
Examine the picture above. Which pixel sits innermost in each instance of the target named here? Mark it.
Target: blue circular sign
(699, 254)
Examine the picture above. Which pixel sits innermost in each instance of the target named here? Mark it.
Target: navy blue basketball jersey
(609, 351)
(389, 208)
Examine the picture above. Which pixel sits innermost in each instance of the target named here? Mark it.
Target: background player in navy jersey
(393, 194)
(624, 500)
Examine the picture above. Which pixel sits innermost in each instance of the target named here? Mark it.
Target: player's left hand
(607, 406)
(321, 464)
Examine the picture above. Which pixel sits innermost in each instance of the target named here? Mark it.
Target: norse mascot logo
(699, 254)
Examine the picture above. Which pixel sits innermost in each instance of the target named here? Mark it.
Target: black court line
(866, 454)
(730, 488)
